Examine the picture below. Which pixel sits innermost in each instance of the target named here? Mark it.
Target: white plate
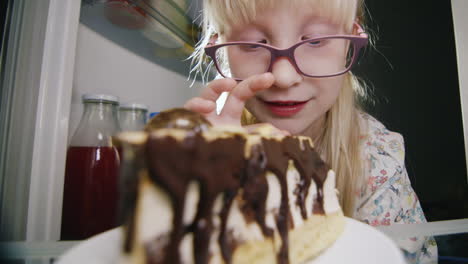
(359, 243)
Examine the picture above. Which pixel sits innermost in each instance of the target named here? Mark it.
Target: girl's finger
(215, 88)
(200, 105)
(245, 90)
(248, 88)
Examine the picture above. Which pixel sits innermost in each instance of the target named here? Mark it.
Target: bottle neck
(100, 112)
(132, 119)
(97, 126)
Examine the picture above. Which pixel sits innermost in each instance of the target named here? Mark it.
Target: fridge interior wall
(102, 66)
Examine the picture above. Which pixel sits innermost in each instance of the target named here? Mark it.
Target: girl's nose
(285, 73)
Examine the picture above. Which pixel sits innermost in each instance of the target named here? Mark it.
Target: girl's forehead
(233, 13)
(279, 23)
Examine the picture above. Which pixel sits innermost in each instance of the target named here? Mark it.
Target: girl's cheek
(330, 85)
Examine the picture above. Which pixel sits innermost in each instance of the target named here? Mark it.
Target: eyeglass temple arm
(213, 40)
(360, 30)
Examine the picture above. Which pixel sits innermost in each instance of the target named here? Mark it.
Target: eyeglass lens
(317, 58)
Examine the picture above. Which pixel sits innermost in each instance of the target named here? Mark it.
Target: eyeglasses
(325, 56)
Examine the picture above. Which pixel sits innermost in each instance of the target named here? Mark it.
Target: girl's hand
(239, 93)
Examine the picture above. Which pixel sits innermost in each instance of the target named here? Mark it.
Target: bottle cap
(100, 98)
(131, 106)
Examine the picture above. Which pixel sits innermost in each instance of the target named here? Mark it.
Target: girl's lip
(285, 108)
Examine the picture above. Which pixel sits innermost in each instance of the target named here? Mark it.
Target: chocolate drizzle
(179, 118)
(277, 162)
(225, 239)
(222, 172)
(156, 250)
(311, 167)
(173, 165)
(255, 189)
(168, 168)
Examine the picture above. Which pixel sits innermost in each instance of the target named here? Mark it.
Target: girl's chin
(290, 126)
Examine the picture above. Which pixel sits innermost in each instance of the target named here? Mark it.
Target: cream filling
(214, 248)
(191, 202)
(237, 224)
(310, 199)
(186, 249)
(154, 217)
(154, 212)
(243, 231)
(330, 197)
(273, 200)
(293, 178)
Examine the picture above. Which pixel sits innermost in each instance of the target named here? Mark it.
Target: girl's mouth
(285, 108)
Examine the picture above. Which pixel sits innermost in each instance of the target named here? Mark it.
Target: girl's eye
(315, 43)
(253, 46)
(249, 47)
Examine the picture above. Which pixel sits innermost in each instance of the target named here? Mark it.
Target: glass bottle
(132, 117)
(91, 175)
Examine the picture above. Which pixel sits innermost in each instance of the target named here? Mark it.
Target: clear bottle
(91, 174)
(132, 117)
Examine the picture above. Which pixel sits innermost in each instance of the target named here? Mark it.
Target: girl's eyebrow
(321, 24)
(321, 28)
(249, 31)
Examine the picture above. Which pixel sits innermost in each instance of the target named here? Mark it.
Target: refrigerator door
(460, 22)
(36, 93)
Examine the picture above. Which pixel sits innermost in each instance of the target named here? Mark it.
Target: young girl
(287, 63)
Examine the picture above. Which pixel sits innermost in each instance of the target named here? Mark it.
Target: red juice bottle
(91, 175)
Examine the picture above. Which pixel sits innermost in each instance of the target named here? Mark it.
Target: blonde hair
(339, 142)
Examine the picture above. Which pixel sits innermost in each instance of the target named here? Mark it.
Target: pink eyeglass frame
(360, 41)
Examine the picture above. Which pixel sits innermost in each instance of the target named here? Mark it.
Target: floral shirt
(387, 198)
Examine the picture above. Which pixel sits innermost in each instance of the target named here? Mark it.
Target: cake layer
(306, 241)
(218, 193)
(221, 195)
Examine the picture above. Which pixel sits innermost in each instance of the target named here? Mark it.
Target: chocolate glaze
(156, 250)
(173, 165)
(277, 163)
(220, 168)
(179, 118)
(255, 189)
(166, 168)
(311, 167)
(226, 240)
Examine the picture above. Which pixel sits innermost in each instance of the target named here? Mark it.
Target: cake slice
(222, 195)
